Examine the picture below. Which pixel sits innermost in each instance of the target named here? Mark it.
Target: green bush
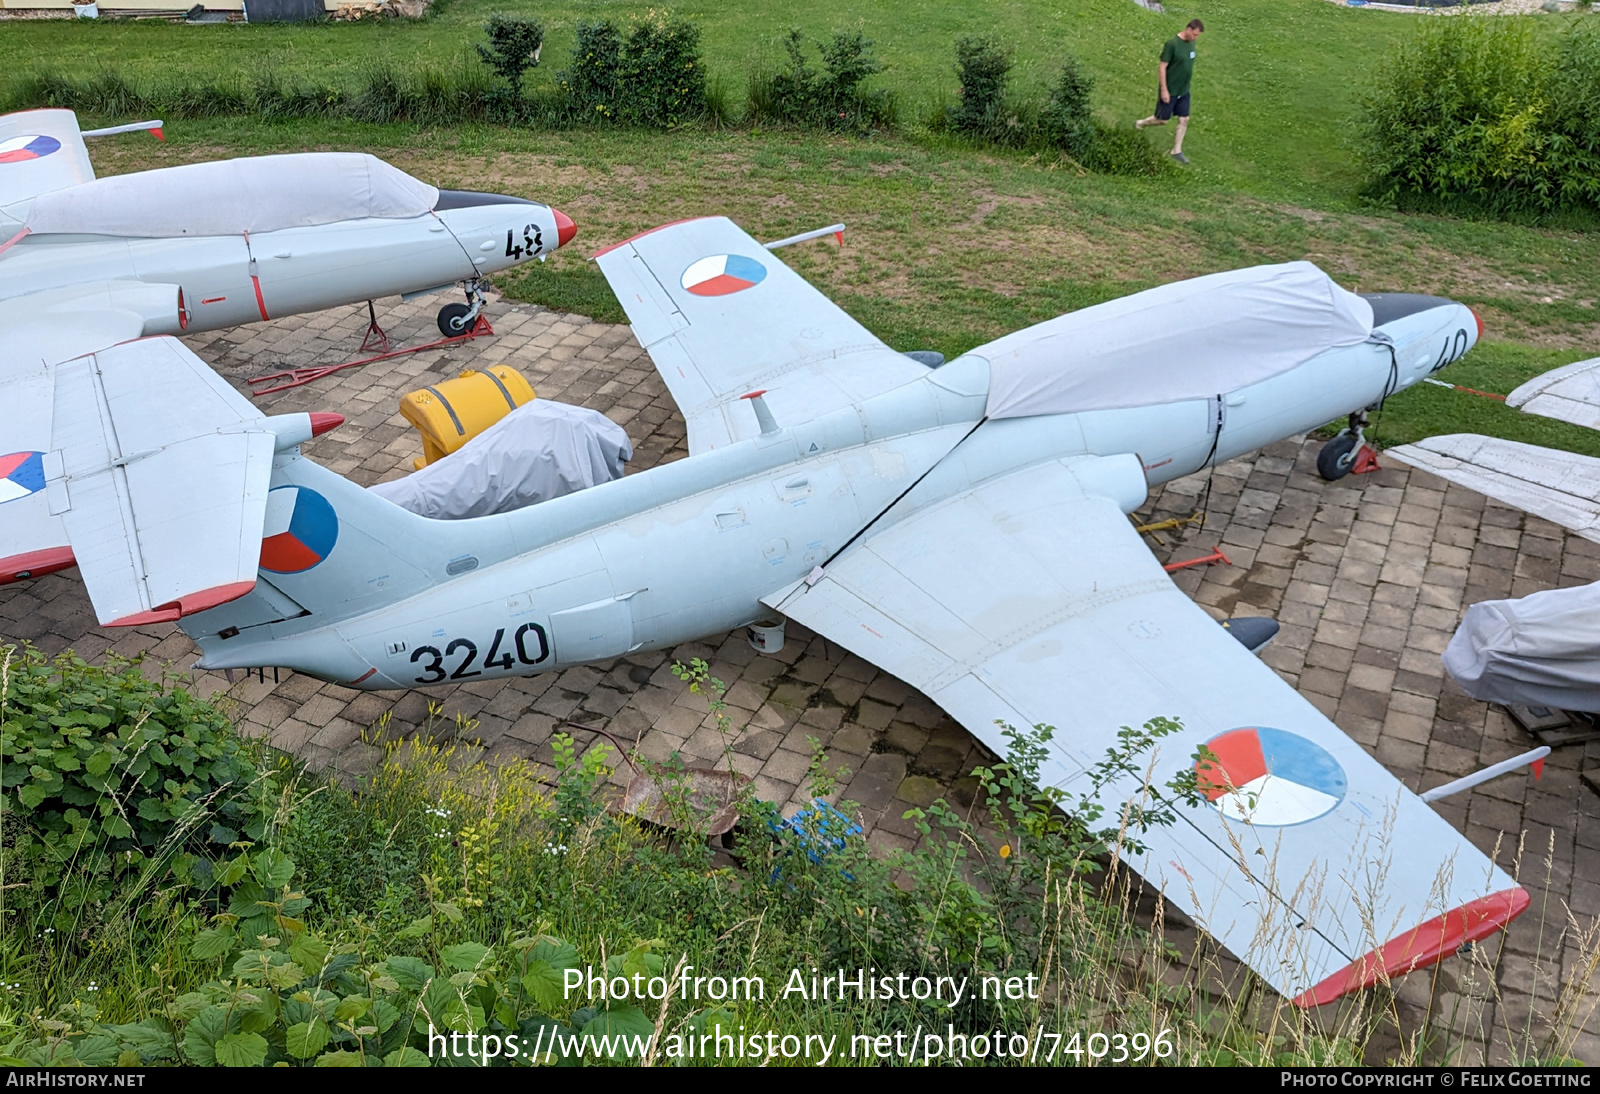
(591, 83)
(652, 76)
(1485, 114)
(1067, 121)
(831, 99)
(513, 48)
(110, 774)
(984, 69)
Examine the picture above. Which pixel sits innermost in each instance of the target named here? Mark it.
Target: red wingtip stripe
(641, 235)
(35, 564)
(1538, 767)
(186, 605)
(1424, 945)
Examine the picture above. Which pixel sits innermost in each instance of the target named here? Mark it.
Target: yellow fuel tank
(452, 412)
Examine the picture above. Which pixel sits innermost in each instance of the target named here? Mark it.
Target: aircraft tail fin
(158, 473)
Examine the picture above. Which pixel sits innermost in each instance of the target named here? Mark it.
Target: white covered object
(1541, 650)
(539, 451)
(1188, 340)
(228, 197)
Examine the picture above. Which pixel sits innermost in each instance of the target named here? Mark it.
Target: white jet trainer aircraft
(962, 527)
(87, 263)
(248, 239)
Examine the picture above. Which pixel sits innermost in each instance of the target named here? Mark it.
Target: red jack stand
(1366, 461)
(1203, 560)
(375, 340)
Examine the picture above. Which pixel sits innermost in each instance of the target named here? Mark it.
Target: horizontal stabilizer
(159, 471)
(1568, 394)
(1561, 487)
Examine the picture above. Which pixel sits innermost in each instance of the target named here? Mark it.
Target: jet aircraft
(963, 527)
(252, 238)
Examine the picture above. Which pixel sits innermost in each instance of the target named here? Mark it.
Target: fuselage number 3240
(530, 643)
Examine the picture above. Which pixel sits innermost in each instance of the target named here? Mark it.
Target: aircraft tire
(1337, 457)
(452, 320)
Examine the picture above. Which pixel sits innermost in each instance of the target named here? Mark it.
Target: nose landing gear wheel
(455, 320)
(1338, 457)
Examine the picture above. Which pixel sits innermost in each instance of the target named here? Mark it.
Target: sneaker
(1180, 157)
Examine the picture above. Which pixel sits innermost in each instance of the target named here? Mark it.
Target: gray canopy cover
(228, 197)
(1541, 650)
(539, 451)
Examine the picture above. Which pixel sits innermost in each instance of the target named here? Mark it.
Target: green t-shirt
(1179, 58)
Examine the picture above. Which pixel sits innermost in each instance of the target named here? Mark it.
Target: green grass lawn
(949, 245)
(1275, 83)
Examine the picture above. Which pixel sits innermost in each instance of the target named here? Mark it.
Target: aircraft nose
(565, 229)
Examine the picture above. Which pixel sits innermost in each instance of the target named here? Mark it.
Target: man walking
(1173, 75)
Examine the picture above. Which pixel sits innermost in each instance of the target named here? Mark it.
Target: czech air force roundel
(27, 147)
(1270, 777)
(720, 275)
(21, 474)
(300, 530)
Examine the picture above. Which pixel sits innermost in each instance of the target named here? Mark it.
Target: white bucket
(766, 637)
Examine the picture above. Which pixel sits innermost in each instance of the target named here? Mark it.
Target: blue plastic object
(818, 831)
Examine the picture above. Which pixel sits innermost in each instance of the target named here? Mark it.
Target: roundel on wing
(29, 146)
(1269, 777)
(300, 530)
(720, 275)
(21, 474)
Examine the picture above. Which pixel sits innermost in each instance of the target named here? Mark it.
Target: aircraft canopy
(229, 197)
(1188, 340)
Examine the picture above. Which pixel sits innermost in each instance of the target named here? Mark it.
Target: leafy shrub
(513, 48)
(1485, 114)
(831, 99)
(591, 83)
(984, 69)
(1067, 122)
(652, 76)
(111, 774)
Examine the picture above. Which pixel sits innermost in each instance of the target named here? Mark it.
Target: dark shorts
(1178, 106)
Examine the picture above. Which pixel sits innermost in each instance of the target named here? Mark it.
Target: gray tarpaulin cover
(1542, 650)
(539, 451)
(1189, 340)
(229, 197)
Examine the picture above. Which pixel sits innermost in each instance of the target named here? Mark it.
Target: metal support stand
(375, 340)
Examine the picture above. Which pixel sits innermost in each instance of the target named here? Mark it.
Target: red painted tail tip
(322, 423)
(1477, 319)
(35, 564)
(840, 237)
(565, 229)
(160, 136)
(1424, 945)
(1538, 767)
(186, 605)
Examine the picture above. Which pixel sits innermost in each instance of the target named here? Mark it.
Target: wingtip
(31, 564)
(190, 604)
(1424, 945)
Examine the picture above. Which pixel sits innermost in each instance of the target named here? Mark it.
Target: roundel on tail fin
(300, 530)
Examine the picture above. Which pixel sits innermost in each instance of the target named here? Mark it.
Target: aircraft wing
(40, 150)
(1561, 487)
(1568, 394)
(159, 471)
(721, 316)
(1029, 600)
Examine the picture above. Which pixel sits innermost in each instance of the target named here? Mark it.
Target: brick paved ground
(1368, 577)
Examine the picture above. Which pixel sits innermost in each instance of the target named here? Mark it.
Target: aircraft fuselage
(690, 548)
